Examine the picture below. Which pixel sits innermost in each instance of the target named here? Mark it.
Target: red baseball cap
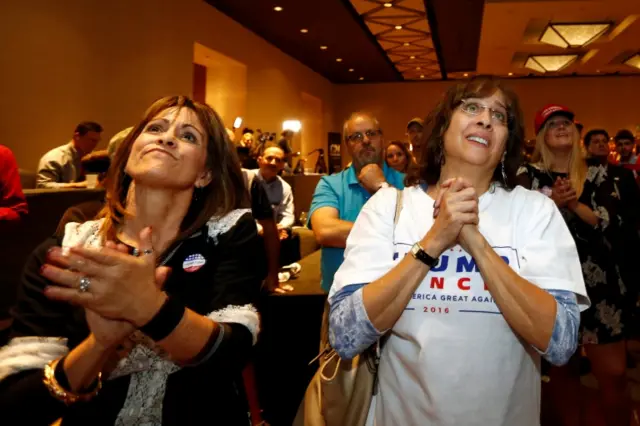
(550, 110)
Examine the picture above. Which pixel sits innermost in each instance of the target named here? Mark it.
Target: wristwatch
(418, 253)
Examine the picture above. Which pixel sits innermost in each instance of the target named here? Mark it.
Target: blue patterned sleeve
(564, 340)
(350, 330)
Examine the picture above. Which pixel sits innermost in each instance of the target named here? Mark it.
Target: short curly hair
(436, 124)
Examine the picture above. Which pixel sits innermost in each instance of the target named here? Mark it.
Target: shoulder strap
(396, 217)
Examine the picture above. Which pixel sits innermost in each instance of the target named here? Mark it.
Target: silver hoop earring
(504, 174)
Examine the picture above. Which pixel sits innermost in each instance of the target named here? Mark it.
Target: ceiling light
(510, 74)
(323, 47)
(388, 5)
(351, 70)
(634, 61)
(406, 43)
(417, 68)
(598, 71)
(338, 59)
(361, 78)
(465, 74)
(549, 63)
(398, 27)
(412, 57)
(304, 31)
(421, 75)
(573, 35)
(277, 9)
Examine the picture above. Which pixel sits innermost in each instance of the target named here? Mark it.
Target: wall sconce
(237, 122)
(293, 125)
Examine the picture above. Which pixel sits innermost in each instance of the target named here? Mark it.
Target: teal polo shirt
(343, 192)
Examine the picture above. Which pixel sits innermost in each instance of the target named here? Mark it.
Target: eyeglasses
(270, 158)
(359, 136)
(553, 124)
(476, 108)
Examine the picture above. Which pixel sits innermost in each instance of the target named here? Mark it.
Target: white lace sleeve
(219, 225)
(246, 315)
(30, 353)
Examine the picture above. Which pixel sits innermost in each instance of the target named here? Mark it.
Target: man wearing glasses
(338, 198)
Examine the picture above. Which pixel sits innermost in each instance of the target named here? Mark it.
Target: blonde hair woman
(582, 192)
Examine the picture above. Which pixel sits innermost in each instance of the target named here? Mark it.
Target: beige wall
(609, 102)
(67, 61)
(226, 83)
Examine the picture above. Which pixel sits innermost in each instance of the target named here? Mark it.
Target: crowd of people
(469, 266)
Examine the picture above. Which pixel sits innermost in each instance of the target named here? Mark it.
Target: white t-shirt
(452, 359)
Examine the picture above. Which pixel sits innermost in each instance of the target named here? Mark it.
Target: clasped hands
(563, 194)
(124, 291)
(455, 211)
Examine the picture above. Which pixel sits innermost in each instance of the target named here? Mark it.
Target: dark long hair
(224, 193)
(437, 122)
(404, 147)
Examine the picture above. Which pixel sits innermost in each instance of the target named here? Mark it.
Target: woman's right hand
(456, 205)
(110, 333)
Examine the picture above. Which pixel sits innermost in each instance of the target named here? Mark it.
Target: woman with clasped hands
(476, 281)
(144, 316)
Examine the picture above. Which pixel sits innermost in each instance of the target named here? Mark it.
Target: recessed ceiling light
(277, 9)
(466, 75)
(417, 68)
(398, 27)
(361, 78)
(304, 31)
(421, 75)
(633, 61)
(338, 59)
(406, 43)
(573, 35)
(323, 47)
(412, 57)
(351, 70)
(549, 63)
(597, 71)
(510, 73)
(388, 5)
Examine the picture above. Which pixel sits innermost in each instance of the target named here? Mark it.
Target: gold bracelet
(62, 394)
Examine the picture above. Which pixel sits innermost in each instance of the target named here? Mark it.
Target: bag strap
(396, 217)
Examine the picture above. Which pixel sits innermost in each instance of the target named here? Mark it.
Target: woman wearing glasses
(476, 281)
(582, 192)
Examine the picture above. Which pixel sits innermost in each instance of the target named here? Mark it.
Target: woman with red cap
(582, 192)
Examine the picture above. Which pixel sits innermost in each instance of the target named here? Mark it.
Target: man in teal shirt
(338, 198)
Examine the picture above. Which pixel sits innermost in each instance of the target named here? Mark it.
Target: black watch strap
(418, 252)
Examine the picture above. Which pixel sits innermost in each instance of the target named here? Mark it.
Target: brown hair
(404, 148)
(224, 193)
(437, 123)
